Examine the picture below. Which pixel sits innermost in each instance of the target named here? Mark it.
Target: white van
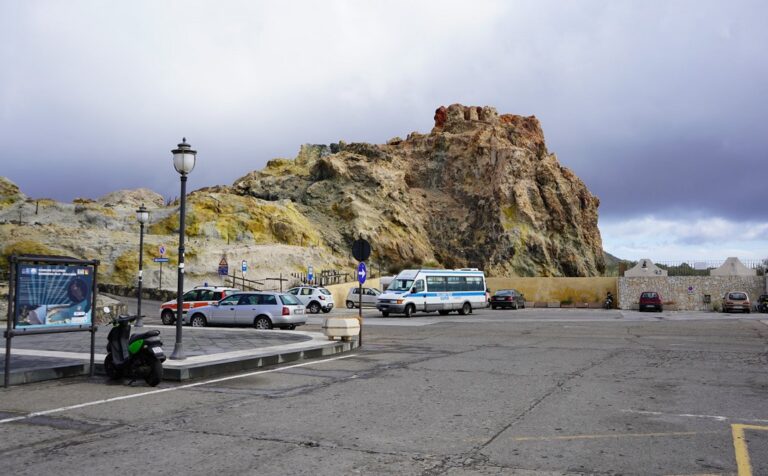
(428, 290)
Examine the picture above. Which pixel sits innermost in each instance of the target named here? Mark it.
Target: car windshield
(289, 299)
(325, 291)
(400, 285)
(648, 295)
(504, 292)
(737, 296)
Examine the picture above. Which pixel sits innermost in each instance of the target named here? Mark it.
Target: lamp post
(183, 162)
(142, 215)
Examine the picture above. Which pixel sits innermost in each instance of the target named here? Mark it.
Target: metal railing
(698, 267)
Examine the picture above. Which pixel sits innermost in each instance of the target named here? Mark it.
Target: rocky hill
(480, 190)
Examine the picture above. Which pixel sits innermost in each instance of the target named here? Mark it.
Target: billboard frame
(14, 262)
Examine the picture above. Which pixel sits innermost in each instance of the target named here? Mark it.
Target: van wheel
(409, 310)
(350, 305)
(262, 322)
(314, 307)
(384, 313)
(198, 320)
(167, 317)
(465, 309)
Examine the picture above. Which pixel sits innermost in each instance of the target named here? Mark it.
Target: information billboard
(53, 295)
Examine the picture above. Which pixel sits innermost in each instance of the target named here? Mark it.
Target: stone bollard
(343, 327)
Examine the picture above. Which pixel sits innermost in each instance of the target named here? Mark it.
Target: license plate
(157, 350)
(298, 311)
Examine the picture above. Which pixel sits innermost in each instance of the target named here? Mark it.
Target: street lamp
(183, 162)
(142, 215)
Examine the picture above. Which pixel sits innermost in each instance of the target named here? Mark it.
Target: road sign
(223, 267)
(361, 249)
(160, 260)
(162, 250)
(244, 266)
(361, 273)
(310, 273)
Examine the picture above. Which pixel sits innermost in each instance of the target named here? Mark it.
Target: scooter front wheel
(155, 374)
(109, 368)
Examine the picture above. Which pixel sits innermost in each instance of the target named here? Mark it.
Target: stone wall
(688, 292)
(557, 290)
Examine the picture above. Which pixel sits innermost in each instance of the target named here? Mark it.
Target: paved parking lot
(539, 391)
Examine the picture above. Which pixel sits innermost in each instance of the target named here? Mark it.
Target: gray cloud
(658, 106)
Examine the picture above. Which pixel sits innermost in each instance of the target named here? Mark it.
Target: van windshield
(400, 285)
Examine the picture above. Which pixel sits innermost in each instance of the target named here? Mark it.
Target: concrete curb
(71, 364)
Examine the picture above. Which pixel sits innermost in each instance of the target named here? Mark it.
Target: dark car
(511, 298)
(650, 300)
(762, 303)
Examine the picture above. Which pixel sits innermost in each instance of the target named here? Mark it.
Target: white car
(370, 295)
(314, 298)
(262, 310)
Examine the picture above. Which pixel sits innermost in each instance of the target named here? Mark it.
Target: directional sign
(223, 267)
(244, 266)
(310, 273)
(160, 260)
(361, 273)
(162, 250)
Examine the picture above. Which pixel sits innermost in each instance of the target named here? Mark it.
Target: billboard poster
(53, 295)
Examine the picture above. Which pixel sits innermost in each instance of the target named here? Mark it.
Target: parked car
(762, 303)
(315, 298)
(369, 297)
(736, 300)
(262, 310)
(650, 300)
(198, 297)
(511, 298)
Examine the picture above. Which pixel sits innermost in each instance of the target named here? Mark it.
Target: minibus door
(419, 295)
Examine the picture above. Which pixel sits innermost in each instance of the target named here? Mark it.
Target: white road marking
(691, 415)
(171, 389)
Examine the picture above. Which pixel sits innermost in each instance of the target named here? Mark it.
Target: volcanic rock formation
(480, 190)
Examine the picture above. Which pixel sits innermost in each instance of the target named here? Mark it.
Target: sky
(658, 106)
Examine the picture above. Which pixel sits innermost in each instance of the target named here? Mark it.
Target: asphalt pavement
(530, 392)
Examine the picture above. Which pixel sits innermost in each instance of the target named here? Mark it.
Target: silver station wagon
(262, 310)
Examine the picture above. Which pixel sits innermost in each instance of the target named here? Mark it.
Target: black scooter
(608, 302)
(133, 356)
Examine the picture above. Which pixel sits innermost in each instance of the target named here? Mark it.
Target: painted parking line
(600, 436)
(743, 463)
(693, 415)
(170, 389)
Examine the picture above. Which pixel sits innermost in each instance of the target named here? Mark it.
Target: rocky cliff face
(480, 190)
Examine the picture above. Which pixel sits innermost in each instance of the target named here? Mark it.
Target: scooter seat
(144, 335)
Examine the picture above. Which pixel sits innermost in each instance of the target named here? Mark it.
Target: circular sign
(361, 249)
(361, 273)
(162, 250)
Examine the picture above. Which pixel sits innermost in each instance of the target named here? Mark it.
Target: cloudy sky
(659, 106)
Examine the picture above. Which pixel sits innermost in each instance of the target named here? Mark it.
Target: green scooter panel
(136, 346)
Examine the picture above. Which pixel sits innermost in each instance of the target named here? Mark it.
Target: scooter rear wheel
(109, 368)
(155, 374)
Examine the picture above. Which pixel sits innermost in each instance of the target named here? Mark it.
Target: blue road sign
(162, 250)
(244, 266)
(160, 260)
(310, 273)
(361, 273)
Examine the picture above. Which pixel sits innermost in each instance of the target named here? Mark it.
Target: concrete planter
(345, 328)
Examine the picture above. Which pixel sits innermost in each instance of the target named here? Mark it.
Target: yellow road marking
(740, 447)
(615, 435)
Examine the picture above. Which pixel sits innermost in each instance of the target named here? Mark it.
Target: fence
(702, 267)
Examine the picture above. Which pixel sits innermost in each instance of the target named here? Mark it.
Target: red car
(650, 300)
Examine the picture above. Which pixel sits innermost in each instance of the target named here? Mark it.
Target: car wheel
(384, 313)
(465, 309)
(198, 320)
(167, 317)
(291, 327)
(350, 305)
(514, 306)
(262, 322)
(326, 310)
(409, 310)
(314, 307)
(748, 311)
(493, 307)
